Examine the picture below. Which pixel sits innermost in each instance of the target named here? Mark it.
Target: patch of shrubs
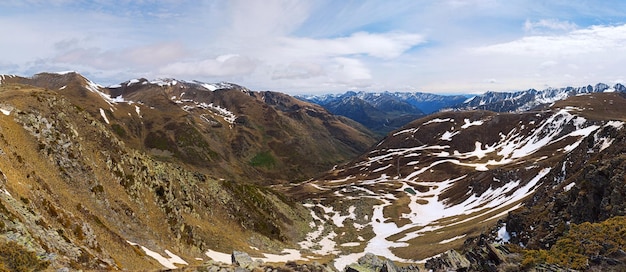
(581, 243)
(15, 257)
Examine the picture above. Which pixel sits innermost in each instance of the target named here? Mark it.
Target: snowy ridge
(225, 114)
(169, 82)
(526, 100)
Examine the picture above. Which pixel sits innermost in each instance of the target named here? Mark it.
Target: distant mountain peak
(520, 101)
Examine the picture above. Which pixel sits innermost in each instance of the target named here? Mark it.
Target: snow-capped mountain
(529, 99)
(385, 111)
(441, 179)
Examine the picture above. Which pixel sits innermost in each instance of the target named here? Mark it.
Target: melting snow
(350, 244)
(503, 235)
(447, 136)
(209, 87)
(438, 120)
(167, 262)
(63, 72)
(104, 116)
(138, 110)
(6, 109)
(569, 187)
(227, 115)
(425, 207)
(452, 239)
(219, 256)
(469, 124)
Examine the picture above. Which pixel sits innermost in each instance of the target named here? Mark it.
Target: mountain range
(384, 112)
(164, 174)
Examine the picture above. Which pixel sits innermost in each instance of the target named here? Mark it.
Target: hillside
(105, 178)
(234, 132)
(440, 180)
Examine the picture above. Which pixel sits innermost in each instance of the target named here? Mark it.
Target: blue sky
(299, 46)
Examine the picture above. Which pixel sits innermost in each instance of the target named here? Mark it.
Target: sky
(322, 46)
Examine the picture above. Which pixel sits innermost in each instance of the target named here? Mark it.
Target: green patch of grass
(158, 140)
(191, 145)
(259, 212)
(263, 159)
(119, 130)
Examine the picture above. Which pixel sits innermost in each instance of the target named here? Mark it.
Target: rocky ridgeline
(242, 262)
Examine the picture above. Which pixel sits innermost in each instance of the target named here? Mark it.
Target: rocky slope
(150, 175)
(224, 127)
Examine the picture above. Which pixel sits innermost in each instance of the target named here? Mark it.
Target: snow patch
(503, 235)
(104, 116)
(138, 111)
(218, 256)
(169, 263)
(438, 120)
(469, 124)
(447, 136)
(132, 81)
(6, 109)
(63, 72)
(452, 239)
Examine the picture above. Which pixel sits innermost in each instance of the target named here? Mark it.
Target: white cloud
(266, 18)
(380, 45)
(321, 46)
(221, 66)
(299, 70)
(350, 71)
(548, 26)
(141, 56)
(584, 41)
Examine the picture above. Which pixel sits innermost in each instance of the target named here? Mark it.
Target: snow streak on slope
(3, 77)
(444, 174)
(167, 262)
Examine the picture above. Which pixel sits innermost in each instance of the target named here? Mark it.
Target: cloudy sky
(318, 46)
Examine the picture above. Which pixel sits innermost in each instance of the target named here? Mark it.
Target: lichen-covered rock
(371, 263)
(241, 259)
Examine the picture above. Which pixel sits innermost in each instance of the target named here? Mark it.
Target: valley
(165, 174)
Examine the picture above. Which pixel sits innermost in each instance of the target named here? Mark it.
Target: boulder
(241, 259)
(389, 266)
(371, 263)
